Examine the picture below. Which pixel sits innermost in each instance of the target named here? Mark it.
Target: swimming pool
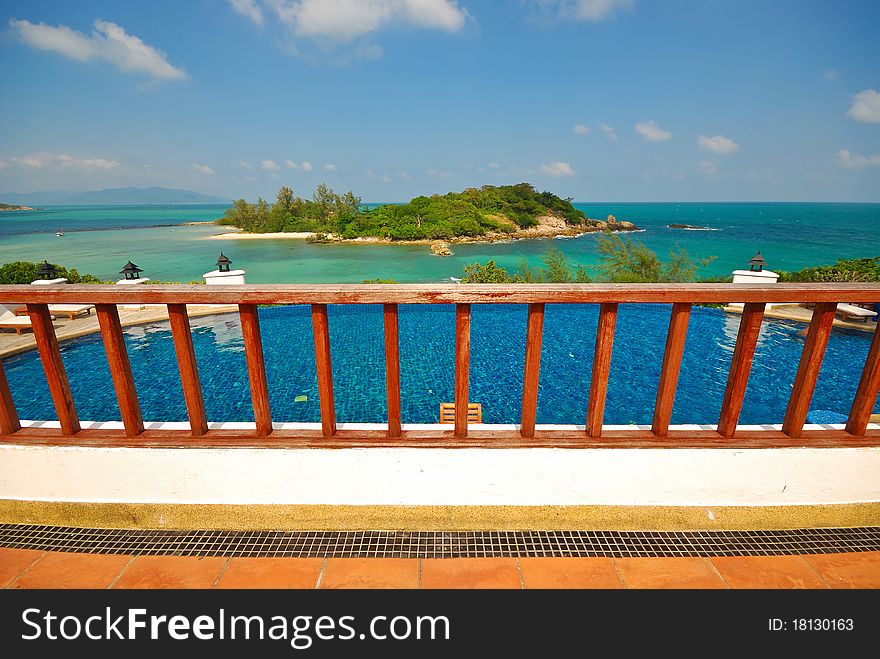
(427, 345)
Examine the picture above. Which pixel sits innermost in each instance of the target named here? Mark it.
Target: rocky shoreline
(548, 227)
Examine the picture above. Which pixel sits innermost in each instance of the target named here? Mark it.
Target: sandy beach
(297, 235)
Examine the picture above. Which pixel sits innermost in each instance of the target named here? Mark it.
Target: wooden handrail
(866, 394)
(189, 372)
(675, 337)
(439, 293)
(392, 369)
(532, 369)
(740, 367)
(601, 369)
(808, 369)
(120, 369)
(9, 422)
(56, 376)
(324, 368)
(462, 367)
(823, 296)
(253, 351)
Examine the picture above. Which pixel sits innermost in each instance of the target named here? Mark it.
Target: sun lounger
(69, 310)
(853, 311)
(9, 320)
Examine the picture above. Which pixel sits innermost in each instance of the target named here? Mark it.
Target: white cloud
(290, 164)
(717, 144)
(580, 129)
(594, 11)
(61, 39)
(557, 168)
(652, 132)
(855, 161)
(249, 9)
(329, 167)
(65, 161)
(403, 175)
(245, 165)
(439, 173)
(108, 41)
(609, 131)
(3, 164)
(345, 20)
(831, 74)
(866, 107)
(269, 165)
(202, 169)
(306, 166)
(706, 167)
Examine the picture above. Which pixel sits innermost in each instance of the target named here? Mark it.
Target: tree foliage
(473, 212)
(626, 260)
(622, 261)
(844, 271)
(24, 272)
(491, 273)
(325, 212)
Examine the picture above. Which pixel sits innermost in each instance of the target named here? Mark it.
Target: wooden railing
(609, 296)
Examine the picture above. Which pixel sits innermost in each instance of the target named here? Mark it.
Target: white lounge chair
(853, 311)
(9, 320)
(69, 310)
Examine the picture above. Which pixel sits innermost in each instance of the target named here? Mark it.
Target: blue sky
(600, 100)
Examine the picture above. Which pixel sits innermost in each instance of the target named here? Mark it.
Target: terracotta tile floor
(24, 568)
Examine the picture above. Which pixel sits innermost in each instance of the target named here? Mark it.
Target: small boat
(60, 232)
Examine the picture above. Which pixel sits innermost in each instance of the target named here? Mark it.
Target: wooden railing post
(808, 369)
(120, 369)
(321, 330)
(531, 376)
(675, 338)
(56, 376)
(9, 422)
(866, 394)
(462, 367)
(253, 351)
(601, 368)
(189, 372)
(740, 367)
(392, 368)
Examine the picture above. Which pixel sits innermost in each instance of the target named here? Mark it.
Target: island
(15, 207)
(486, 214)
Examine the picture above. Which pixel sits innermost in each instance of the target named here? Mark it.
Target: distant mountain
(111, 197)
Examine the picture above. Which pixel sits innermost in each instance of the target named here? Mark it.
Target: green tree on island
(471, 213)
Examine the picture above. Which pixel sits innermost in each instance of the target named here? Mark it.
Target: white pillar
(758, 277)
(132, 282)
(230, 278)
(218, 278)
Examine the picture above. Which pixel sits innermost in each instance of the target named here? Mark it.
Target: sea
(173, 243)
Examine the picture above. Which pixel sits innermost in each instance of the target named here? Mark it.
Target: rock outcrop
(689, 226)
(440, 248)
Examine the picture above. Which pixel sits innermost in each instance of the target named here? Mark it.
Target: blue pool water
(427, 341)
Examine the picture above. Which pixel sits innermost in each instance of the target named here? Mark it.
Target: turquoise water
(427, 343)
(100, 239)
